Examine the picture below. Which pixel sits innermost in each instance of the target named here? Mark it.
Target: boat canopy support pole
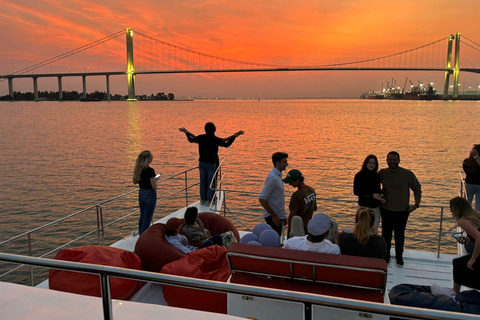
(130, 66)
(106, 297)
(456, 70)
(448, 70)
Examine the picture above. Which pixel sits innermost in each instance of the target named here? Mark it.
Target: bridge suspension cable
(477, 48)
(68, 53)
(188, 57)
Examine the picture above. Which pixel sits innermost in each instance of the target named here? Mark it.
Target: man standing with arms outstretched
(397, 183)
(272, 197)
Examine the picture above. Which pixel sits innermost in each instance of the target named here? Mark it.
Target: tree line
(75, 95)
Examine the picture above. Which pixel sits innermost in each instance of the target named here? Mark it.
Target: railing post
(186, 189)
(106, 297)
(30, 254)
(101, 232)
(440, 232)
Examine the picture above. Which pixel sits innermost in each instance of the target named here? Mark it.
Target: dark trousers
(464, 276)
(278, 229)
(394, 222)
(422, 297)
(216, 239)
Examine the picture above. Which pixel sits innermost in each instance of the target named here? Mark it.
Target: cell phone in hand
(458, 236)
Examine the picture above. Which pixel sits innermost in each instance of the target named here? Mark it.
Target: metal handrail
(100, 230)
(88, 208)
(106, 272)
(440, 220)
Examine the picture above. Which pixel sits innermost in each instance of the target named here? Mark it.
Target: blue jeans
(147, 200)
(207, 170)
(473, 189)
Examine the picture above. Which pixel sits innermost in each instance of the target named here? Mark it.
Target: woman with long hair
(362, 242)
(144, 175)
(194, 229)
(366, 186)
(471, 166)
(466, 270)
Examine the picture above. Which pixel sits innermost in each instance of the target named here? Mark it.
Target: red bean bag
(155, 251)
(207, 263)
(89, 284)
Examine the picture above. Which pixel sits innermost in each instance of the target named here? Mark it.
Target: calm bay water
(57, 158)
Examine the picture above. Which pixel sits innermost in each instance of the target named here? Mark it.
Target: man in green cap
(303, 201)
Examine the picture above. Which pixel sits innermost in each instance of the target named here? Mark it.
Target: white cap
(319, 224)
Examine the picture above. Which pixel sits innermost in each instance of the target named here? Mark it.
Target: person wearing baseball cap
(316, 239)
(302, 203)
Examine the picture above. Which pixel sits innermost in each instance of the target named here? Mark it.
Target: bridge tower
(456, 69)
(130, 66)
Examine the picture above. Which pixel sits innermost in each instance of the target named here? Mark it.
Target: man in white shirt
(272, 197)
(316, 239)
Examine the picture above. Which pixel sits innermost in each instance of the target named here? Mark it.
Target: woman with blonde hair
(466, 270)
(363, 242)
(144, 175)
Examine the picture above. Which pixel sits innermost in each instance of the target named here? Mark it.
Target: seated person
(435, 297)
(179, 241)
(194, 229)
(316, 238)
(363, 242)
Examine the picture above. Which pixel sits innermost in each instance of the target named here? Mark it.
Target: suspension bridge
(156, 56)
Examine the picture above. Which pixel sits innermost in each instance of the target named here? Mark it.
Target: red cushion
(89, 284)
(155, 251)
(218, 224)
(207, 263)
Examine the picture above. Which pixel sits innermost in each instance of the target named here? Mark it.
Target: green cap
(292, 176)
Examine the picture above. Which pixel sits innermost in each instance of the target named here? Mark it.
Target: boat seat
(320, 273)
(154, 250)
(208, 263)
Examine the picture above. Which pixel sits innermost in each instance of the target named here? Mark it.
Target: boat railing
(433, 228)
(308, 300)
(167, 189)
(463, 190)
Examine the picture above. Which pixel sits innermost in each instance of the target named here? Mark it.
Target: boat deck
(421, 267)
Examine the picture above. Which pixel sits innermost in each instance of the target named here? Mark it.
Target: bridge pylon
(130, 66)
(456, 69)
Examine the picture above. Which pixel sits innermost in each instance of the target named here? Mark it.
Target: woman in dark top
(366, 186)
(471, 166)
(466, 270)
(144, 175)
(361, 242)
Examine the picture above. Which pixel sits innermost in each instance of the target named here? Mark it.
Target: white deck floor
(421, 268)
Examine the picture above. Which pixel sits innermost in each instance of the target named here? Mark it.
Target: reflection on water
(58, 158)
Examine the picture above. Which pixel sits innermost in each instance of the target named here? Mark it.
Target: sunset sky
(289, 32)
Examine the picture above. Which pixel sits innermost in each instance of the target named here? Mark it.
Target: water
(58, 158)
